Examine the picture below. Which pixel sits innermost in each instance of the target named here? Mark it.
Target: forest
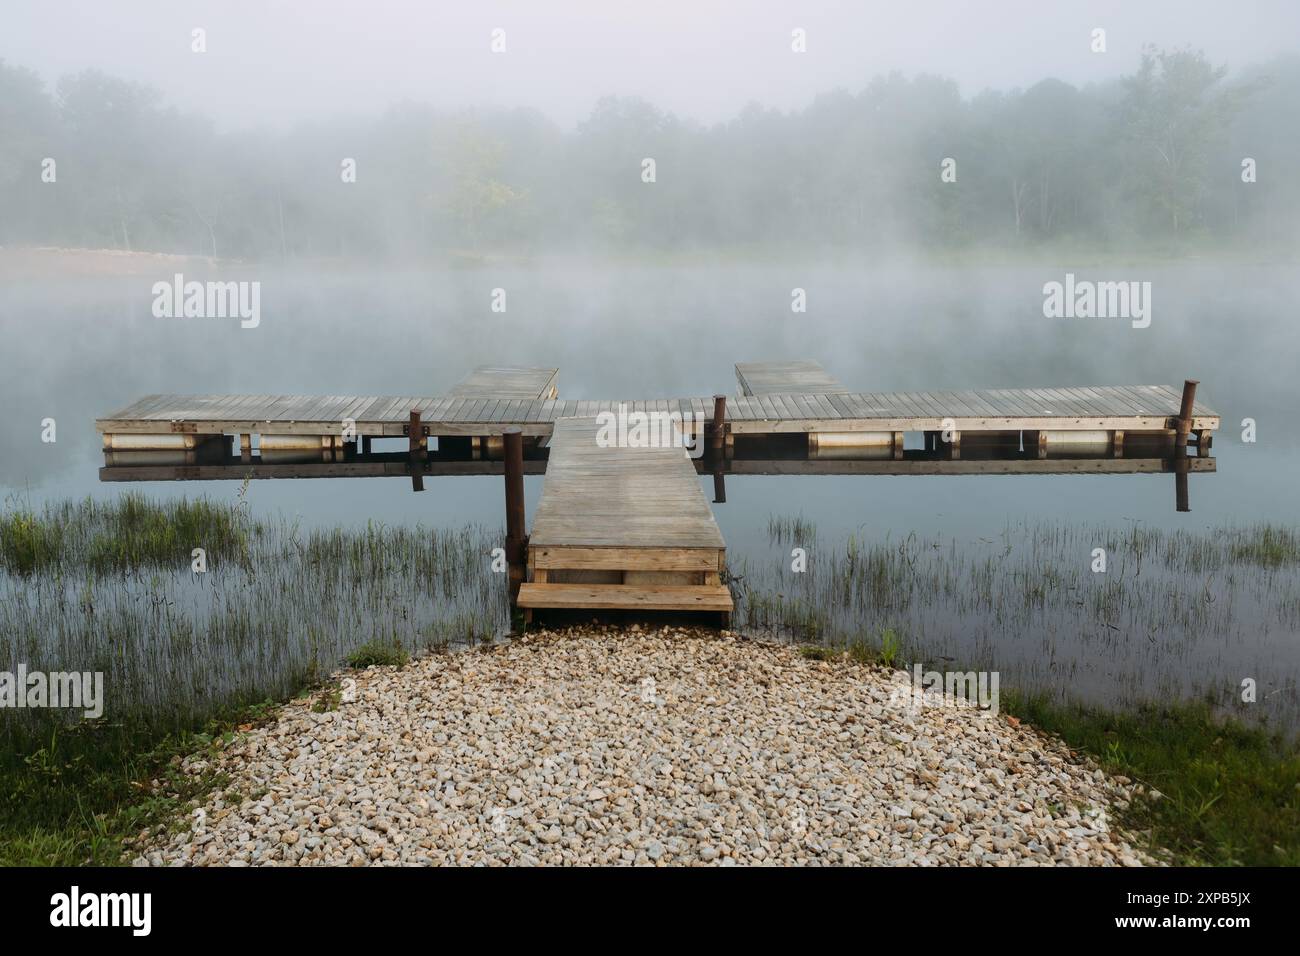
(1182, 153)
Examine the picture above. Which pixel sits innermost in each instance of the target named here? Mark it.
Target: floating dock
(1135, 408)
(630, 527)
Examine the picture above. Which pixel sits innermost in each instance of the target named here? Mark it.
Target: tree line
(1179, 152)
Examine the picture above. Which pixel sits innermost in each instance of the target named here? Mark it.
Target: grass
(890, 645)
(1025, 602)
(885, 652)
(84, 795)
(108, 587)
(189, 658)
(376, 653)
(128, 533)
(783, 529)
(1267, 546)
(1230, 793)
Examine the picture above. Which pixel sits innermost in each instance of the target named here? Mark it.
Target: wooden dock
(1132, 408)
(629, 527)
(622, 527)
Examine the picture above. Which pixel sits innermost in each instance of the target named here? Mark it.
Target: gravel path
(670, 746)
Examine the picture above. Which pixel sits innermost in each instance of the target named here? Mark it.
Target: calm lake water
(78, 348)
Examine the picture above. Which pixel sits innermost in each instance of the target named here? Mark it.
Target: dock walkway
(622, 527)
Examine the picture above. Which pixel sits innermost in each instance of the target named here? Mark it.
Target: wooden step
(626, 559)
(705, 597)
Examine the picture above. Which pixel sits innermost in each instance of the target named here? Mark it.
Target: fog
(676, 131)
(278, 62)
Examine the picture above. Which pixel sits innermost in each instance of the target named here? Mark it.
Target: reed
(1153, 626)
(92, 586)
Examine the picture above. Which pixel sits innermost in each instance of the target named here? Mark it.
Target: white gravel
(671, 746)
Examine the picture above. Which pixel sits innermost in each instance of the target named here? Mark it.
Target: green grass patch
(795, 529)
(82, 796)
(890, 646)
(28, 543)
(328, 700)
(1231, 793)
(378, 653)
(124, 534)
(1270, 546)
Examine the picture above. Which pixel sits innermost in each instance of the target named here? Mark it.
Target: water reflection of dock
(792, 418)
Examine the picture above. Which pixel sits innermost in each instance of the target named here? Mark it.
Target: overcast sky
(276, 60)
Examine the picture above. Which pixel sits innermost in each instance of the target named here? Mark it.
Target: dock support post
(1185, 413)
(1181, 433)
(415, 433)
(717, 429)
(717, 447)
(1182, 500)
(516, 546)
(418, 446)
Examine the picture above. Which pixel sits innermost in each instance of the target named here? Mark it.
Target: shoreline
(56, 262)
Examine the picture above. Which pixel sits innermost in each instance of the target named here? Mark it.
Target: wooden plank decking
(622, 528)
(508, 382)
(800, 377)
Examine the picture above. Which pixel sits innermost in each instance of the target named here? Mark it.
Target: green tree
(480, 201)
(1176, 109)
